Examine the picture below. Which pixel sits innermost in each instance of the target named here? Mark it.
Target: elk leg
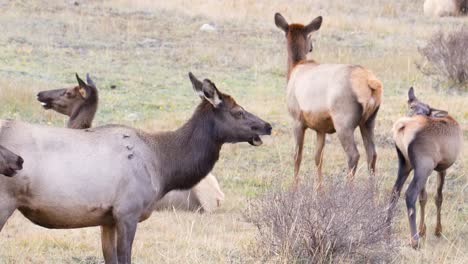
(108, 244)
(346, 137)
(7, 207)
(422, 205)
(126, 230)
(421, 173)
(367, 133)
(299, 133)
(319, 157)
(438, 200)
(404, 170)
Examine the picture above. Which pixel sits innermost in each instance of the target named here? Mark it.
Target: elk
(112, 176)
(9, 162)
(328, 98)
(428, 139)
(442, 8)
(80, 103)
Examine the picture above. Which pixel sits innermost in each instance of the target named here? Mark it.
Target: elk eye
(239, 115)
(68, 94)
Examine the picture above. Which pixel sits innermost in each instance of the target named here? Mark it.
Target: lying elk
(80, 103)
(9, 162)
(429, 139)
(328, 98)
(445, 7)
(112, 176)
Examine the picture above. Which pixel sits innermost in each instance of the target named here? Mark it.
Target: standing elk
(112, 176)
(442, 8)
(9, 162)
(328, 98)
(429, 139)
(80, 103)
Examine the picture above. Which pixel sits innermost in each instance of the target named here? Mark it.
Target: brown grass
(146, 48)
(446, 58)
(342, 223)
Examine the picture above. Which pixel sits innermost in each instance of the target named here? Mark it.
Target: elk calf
(429, 139)
(9, 162)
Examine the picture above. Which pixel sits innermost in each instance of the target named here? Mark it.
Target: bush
(446, 58)
(340, 224)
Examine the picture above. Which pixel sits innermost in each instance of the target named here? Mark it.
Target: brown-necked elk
(442, 8)
(112, 176)
(80, 104)
(328, 98)
(9, 162)
(429, 139)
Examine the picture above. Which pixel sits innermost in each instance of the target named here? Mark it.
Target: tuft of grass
(341, 223)
(446, 58)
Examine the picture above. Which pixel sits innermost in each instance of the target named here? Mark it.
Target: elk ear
(281, 22)
(314, 25)
(90, 81)
(211, 93)
(196, 84)
(82, 86)
(438, 113)
(411, 96)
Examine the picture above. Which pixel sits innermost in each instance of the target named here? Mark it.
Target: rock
(208, 28)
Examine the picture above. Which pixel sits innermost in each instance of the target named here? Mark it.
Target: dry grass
(341, 224)
(446, 59)
(146, 48)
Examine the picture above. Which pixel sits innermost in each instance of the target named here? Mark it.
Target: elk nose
(20, 162)
(268, 128)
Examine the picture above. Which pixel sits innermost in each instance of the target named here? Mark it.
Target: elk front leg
(299, 133)
(108, 244)
(126, 230)
(319, 157)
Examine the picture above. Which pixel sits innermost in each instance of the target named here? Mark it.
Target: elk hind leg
(438, 201)
(367, 133)
(346, 137)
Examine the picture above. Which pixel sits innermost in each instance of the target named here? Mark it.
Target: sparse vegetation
(446, 58)
(145, 48)
(341, 224)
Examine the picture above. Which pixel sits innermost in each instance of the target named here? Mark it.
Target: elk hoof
(422, 230)
(414, 241)
(438, 231)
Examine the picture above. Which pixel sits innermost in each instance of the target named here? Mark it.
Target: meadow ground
(145, 48)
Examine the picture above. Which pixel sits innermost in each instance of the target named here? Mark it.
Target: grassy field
(145, 48)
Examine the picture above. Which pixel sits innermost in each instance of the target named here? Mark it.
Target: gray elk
(429, 139)
(328, 98)
(113, 176)
(442, 8)
(9, 162)
(80, 103)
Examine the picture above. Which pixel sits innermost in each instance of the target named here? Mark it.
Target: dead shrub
(341, 224)
(445, 58)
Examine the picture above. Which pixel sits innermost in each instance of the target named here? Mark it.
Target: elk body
(445, 7)
(9, 162)
(80, 103)
(429, 139)
(328, 98)
(112, 176)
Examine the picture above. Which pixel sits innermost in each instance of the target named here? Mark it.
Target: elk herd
(115, 176)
